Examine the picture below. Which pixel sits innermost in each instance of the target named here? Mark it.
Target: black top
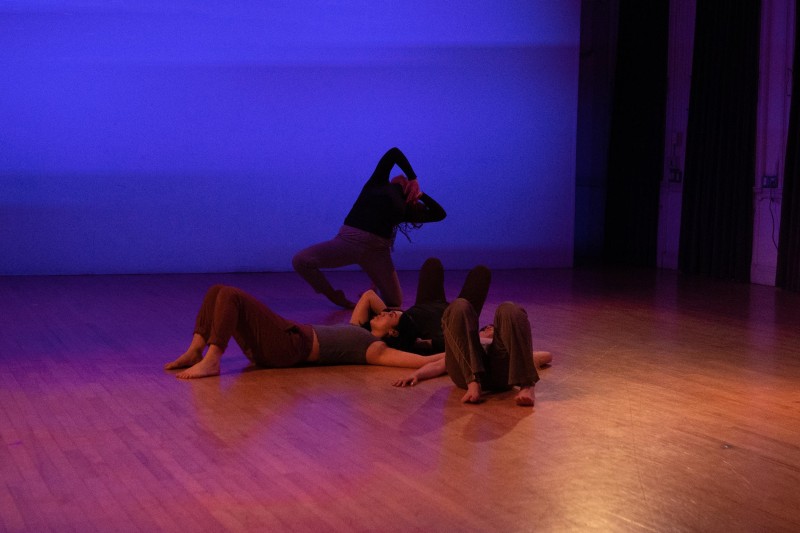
(381, 205)
(422, 321)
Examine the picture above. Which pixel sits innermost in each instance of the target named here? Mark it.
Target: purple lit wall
(187, 136)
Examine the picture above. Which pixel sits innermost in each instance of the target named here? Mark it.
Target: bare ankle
(525, 397)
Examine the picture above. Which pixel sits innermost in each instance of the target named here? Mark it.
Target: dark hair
(406, 334)
(404, 228)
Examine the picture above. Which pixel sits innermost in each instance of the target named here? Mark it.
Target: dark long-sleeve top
(381, 205)
(426, 323)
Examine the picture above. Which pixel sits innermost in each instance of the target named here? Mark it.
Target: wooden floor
(672, 405)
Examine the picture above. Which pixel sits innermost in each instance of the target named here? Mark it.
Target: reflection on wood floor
(672, 405)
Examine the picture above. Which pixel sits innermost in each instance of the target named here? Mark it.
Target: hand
(412, 192)
(410, 188)
(409, 381)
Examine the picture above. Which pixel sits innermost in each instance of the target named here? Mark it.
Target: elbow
(430, 210)
(393, 152)
(437, 217)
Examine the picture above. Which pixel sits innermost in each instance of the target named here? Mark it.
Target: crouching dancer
(507, 362)
(271, 341)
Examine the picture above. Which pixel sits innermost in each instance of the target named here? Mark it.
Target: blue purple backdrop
(185, 136)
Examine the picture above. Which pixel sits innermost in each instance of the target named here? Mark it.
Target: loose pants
(266, 338)
(506, 362)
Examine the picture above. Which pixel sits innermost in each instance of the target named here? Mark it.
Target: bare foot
(206, 367)
(542, 359)
(338, 298)
(525, 397)
(473, 394)
(190, 358)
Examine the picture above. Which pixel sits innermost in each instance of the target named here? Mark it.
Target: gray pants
(352, 246)
(508, 361)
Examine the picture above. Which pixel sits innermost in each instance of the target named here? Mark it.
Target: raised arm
(369, 303)
(410, 188)
(421, 207)
(425, 210)
(391, 158)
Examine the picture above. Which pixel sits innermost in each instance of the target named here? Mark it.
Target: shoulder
(377, 347)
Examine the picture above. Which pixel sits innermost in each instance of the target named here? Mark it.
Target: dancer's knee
(432, 263)
(460, 306)
(483, 270)
(459, 310)
(214, 290)
(227, 292)
(302, 261)
(509, 311)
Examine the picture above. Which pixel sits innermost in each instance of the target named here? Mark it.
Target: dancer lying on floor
(420, 326)
(504, 362)
(271, 341)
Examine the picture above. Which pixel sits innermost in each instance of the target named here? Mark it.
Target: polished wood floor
(672, 405)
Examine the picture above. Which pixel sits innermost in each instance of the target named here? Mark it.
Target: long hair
(405, 228)
(407, 332)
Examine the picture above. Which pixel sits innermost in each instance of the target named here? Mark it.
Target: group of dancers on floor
(434, 336)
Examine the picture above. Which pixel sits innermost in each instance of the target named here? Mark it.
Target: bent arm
(369, 304)
(425, 210)
(391, 158)
(410, 188)
(379, 353)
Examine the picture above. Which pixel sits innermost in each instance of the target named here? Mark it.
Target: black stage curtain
(717, 216)
(788, 273)
(636, 144)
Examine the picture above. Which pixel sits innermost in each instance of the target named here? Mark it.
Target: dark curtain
(717, 217)
(788, 273)
(636, 143)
